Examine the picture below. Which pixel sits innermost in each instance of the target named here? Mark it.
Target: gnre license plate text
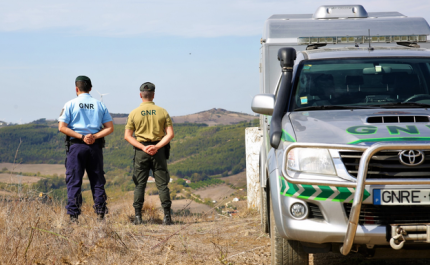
(401, 196)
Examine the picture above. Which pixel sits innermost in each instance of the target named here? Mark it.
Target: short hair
(83, 86)
(147, 94)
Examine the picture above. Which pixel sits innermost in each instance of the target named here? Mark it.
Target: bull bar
(361, 180)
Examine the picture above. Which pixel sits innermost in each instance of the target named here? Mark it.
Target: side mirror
(263, 104)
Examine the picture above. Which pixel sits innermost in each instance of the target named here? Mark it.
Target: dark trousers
(158, 164)
(81, 158)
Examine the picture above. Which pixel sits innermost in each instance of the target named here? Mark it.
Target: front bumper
(330, 229)
(337, 227)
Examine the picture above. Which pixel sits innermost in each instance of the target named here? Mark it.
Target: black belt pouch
(167, 150)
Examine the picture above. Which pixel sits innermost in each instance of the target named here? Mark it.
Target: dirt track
(238, 180)
(44, 169)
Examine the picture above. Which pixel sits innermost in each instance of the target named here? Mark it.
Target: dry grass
(14, 178)
(36, 233)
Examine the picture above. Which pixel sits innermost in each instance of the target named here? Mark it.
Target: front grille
(385, 215)
(315, 211)
(386, 164)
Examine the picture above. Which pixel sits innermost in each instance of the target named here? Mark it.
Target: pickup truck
(345, 155)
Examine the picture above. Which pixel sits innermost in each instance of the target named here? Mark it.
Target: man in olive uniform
(153, 129)
(86, 121)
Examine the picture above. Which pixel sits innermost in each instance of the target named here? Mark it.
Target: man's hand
(89, 139)
(150, 149)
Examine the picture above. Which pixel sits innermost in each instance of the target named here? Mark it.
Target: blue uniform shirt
(84, 114)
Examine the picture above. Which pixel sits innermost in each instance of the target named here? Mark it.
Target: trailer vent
(386, 164)
(340, 11)
(384, 215)
(397, 119)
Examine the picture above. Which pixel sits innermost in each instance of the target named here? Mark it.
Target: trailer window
(358, 82)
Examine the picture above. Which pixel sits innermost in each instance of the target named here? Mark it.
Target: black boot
(167, 217)
(74, 219)
(100, 217)
(138, 216)
(138, 220)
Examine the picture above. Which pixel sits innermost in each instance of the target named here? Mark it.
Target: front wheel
(284, 251)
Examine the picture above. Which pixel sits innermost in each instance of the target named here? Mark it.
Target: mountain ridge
(211, 117)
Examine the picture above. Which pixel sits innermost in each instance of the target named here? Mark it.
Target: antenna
(370, 47)
(101, 95)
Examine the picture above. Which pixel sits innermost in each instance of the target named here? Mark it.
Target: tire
(284, 251)
(264, 211)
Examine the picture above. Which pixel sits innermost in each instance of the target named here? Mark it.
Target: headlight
(311, 160)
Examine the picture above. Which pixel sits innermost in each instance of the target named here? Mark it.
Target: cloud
(186, 18)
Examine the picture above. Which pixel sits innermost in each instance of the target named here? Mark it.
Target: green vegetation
(56, 185)
(209, 150)
(205, 183)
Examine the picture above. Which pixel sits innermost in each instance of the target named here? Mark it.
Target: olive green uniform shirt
(149, 122)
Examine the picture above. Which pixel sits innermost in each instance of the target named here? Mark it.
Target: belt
(79, 141)
(150, 143)
(76, 141)
(147, 143)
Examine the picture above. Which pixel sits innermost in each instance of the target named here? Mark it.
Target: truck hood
(352, 127)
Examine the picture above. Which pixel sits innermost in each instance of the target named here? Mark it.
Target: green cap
(147, 86)
(83, 78)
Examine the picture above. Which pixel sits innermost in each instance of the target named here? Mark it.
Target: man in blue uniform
(86, 121)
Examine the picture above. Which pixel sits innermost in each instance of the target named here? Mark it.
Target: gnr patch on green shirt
(149, 122)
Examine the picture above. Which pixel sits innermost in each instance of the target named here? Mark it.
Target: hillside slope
(196, 148)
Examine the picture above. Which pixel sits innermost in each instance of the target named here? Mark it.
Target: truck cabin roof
(363, 52)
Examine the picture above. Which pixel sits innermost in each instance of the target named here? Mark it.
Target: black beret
(148, 86)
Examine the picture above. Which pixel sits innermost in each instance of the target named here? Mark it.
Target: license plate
(401, 196)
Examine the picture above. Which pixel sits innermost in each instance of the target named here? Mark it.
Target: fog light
(298, 210)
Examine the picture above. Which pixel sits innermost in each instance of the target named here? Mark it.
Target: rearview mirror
(263, 104)
(377, 70)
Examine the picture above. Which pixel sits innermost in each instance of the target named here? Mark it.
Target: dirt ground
(215, 193)
(10, 178)
(238, 180)
(44, 169)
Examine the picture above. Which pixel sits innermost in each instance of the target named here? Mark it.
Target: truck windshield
(361, 83)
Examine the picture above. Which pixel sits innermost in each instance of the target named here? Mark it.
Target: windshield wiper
(332, 107)
(404, 104)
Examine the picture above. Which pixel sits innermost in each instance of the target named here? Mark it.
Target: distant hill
(215, 117)
(210, 117)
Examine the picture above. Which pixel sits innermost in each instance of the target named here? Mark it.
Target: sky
(199, 54)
